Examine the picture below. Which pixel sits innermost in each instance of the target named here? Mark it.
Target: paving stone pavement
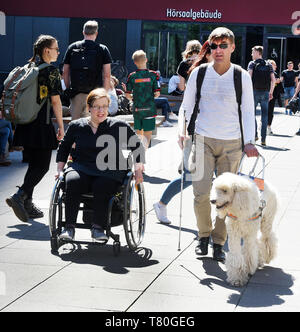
(157, 277)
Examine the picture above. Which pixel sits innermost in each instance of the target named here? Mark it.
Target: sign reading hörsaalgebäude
(219, 11)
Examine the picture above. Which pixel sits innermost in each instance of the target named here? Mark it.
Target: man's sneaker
(173, 116)
(298, 133)
(67, 234)
(167, 124)
(33, 211)
(202, 247)
(97, 234)
(161, 213)
(263, 143)
(218, 253)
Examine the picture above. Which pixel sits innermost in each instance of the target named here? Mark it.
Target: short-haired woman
(98, 163)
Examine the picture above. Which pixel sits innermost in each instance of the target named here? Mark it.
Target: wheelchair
(126, 207)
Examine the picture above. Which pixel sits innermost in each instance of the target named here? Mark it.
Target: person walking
(289, 80)
(276, 95)
(38, 137)
(87, 65)
(263, 79)
(217, 136)
(142, 87)
(189, 55)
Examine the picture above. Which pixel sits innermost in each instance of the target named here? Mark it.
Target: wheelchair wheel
(55, 215)
(134, 214)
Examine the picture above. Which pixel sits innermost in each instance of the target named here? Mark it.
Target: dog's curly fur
(239, 196)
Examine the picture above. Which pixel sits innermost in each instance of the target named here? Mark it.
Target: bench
(174, 101)
(127, 118)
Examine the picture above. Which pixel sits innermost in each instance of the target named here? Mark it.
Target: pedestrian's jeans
(262, 97)
(163, 103)
(6, 134)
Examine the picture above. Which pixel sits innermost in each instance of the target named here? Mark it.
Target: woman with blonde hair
(189, 55)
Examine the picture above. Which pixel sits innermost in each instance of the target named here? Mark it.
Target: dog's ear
(240, 199)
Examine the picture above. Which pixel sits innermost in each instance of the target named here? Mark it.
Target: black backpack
(85, 68)
(237, 78)
(261, 75)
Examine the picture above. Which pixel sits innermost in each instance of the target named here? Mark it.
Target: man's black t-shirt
(96, 55)
(289, 78)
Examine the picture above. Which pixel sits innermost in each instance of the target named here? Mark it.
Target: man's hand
(250, 150)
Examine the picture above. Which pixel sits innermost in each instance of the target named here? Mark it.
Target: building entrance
(164, 51)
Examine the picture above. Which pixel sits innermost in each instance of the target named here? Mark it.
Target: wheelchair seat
(126, 207)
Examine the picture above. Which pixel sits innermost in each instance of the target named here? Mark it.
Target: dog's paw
(237, 282)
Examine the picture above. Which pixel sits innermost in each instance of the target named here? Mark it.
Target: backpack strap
(237, 78)
(200, 78)
(41, 67)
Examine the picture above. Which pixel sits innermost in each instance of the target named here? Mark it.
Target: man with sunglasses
(218, 144)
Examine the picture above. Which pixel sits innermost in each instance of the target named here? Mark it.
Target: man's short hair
(139, 56)
(221, 33)
(90, 27)
(290, 63)
(258, 49)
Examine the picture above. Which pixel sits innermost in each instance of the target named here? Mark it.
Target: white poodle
(247, 211)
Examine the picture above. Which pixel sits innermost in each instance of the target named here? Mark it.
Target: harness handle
(259, 181)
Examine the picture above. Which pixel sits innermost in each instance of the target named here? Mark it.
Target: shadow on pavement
(264, 289)
(103, 256)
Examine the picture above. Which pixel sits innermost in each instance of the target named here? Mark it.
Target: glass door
(276, 51)
(164, 51)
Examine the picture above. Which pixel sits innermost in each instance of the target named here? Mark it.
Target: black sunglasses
(214, 46)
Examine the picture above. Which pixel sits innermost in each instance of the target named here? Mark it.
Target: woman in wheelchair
(98, 163)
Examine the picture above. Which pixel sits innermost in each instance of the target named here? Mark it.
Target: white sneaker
(167, 124)
(173, 116)
(161, 213)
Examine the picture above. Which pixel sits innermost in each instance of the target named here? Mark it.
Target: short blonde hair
(272, 62)
(96, 94)
(139, 56)
(90, 27)
(192, 47)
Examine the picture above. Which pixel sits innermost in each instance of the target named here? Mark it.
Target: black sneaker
(33, 211)
(218, 253)
(202, 247)
(298, 133)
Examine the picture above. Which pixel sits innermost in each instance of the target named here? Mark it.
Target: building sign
(218, 11)
(194, 14)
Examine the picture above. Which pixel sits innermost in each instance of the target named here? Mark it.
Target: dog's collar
(255, 216)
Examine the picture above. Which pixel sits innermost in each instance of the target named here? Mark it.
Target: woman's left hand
(138, 173)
